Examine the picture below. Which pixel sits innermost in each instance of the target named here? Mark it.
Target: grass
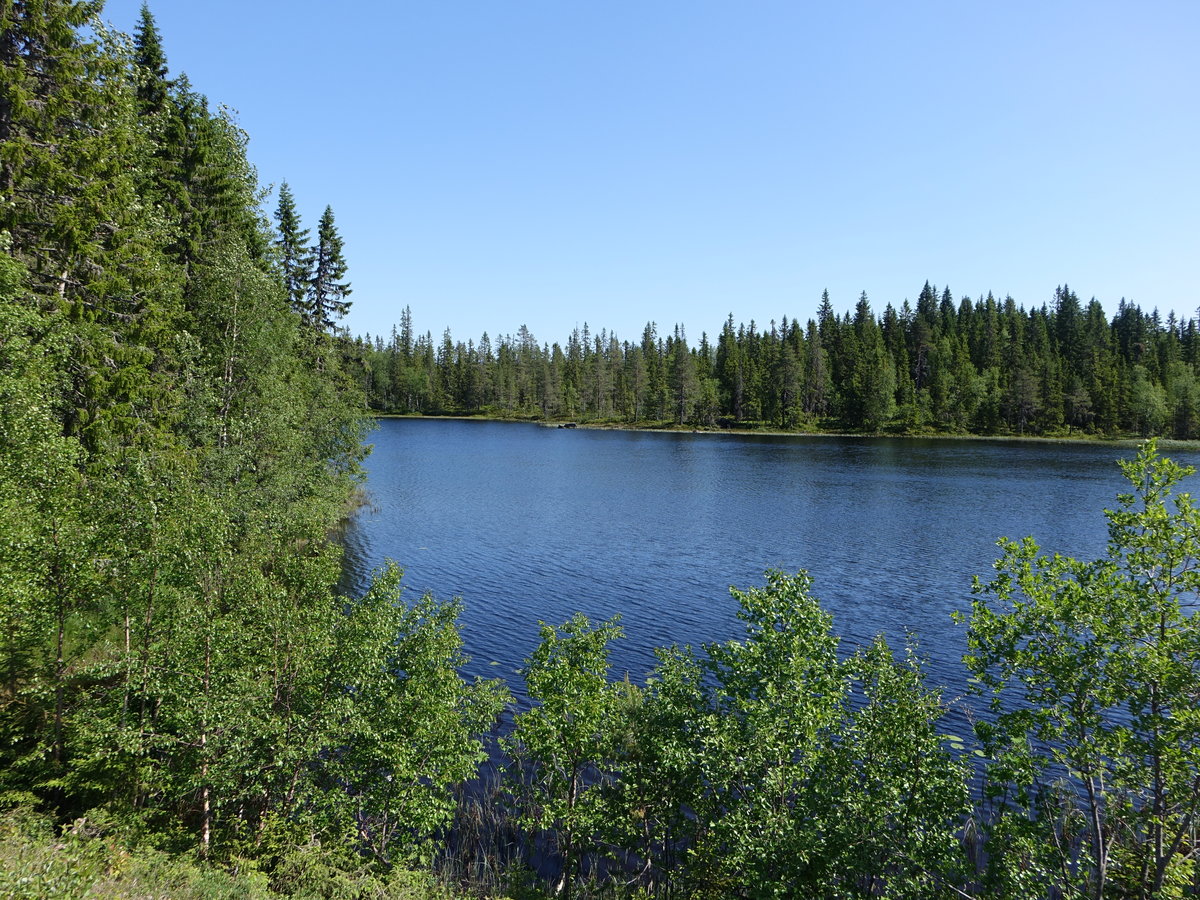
(84, 862)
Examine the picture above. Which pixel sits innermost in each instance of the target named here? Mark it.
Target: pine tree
(326, 291)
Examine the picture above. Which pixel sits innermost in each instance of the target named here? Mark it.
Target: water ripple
(532, 524)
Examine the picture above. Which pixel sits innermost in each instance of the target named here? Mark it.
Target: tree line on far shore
(982, 366)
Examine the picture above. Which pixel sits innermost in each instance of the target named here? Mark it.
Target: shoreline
(1116, 441)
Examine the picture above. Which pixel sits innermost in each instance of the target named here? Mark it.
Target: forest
(968, 367)
(190, 708)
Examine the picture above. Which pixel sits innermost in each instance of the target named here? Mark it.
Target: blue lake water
(528, 523)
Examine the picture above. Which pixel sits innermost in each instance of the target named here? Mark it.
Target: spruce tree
(326, 291)
(56, 155)
(295, 256)
(152, 63)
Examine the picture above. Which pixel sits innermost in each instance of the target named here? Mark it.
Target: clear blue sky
(555, 162)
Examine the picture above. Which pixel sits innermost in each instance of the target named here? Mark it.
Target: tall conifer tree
(152, 61)
(327, 292)
(296, 257)
(55, 153)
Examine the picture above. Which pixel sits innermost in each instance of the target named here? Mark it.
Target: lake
(530, 523)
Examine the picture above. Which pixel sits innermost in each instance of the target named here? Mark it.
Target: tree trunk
(205, 788)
